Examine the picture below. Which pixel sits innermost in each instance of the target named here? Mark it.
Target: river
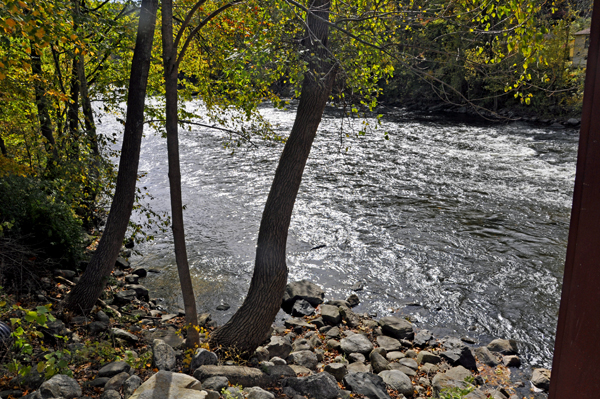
(460, 226)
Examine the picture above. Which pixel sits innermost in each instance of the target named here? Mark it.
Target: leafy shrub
(34, 214)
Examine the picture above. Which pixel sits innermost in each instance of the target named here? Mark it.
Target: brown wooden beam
(576, 365)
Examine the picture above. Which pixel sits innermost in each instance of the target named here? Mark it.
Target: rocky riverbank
(324, 350)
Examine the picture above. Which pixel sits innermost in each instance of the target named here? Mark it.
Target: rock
(303, 289)
(163, 356)
(356, 358)
(331, 314)
(511, 361)
(572, 122)
(411, 353)
(304, 358)
(333, 344)
(103, 317)
(168, 385)
(370, 385)
(57, 327)
(300, 371)
(408, 362)
(116, 382)
(140, 272)
(400, 367)
(127, 336)
(337, 302)
(391, 356)
(349, 317)
(463, 357)
(244, 376)
(429, 368)
(258, 393)
(169, 335)
(504, 346)
(222, 307)
(556, 125)
(97, 327)
(422, 338)
(132, 279)
(130, 385)
(211, 394)
(356, 343)
(541, 379)
(278, 370)
(98, 382)
(396, 327)
(443, 381)
(141, 292)
(112, 369)
(338, 370)
(11, 393)
(450, 343)
(122, 263)
(296, 322)
(428, 357)
(60, 386)
(358, 368)
(233, 393)
(333, 333)
(318, 322)
(110, 394)
(398, 381)
(203, 319)
(203, 357)
(388, 343)
(486, 357)
(68, 274)
(477, 394)
(217, 383)
(378, 362)
(302, 308)
(353, 300)
(279, 346)
(167, 317)
(262, 354)
(277, 361)
(301, 345)
(318, 386)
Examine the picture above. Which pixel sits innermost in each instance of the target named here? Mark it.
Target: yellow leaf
(10, 22)
(40, 33)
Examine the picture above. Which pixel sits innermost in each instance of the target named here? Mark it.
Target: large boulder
(486, 357)
(356, 343)
(370, 385)
(279, 346)
(244, 376)
(378, 362)
(398, 381)
(331, 314)
(60, 386)
(541, 379)
(318, 386)
(504, 346)
(303, 289)
(168, 385)
(396, 327)
(303, 358)
(163, 356)
(388, 343)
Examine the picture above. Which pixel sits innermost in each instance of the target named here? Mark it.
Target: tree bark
(86, 104)
(85, 294)
(171, 69)
(73, 107)
(250, 325)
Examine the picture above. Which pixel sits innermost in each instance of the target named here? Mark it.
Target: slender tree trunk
(86, 104)
(250, 325)
(85, 294)
(3, 147)
(170, 66)
(73, 107)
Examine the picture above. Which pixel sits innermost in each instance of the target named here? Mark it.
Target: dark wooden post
(575, 368)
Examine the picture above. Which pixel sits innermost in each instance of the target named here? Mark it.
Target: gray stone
(211, 394)
(97, 382)
(338, 370)
(112, 369)
(301, 345)
(398, 381)
(258, 393)
(140, 272)
(278, 370)
(442, 381)
(203, 357)
(573, 122)
(97, 327)
(116, 382)
(349, 317)
(356, 343)
(450, 343)
(261, 353)
(477, 394)
(427, 357)
(504, 346)
(333, 333)
(411, 353)
(110, 394)
(244, 376)
(334, 344)
(132, 279)
(122, 263)
(511, 361)
(388, 343)
(486, 357)
(318, 322)
(141, 292)
(429, 368)
(124, 297)
(370, 385)
(303, 289)
(163, 356)
(391, 356)
(168, 335)
(217, 383)
(166, 384)
(279, 346)
(408, 362)
(304, 358)
(166, 317)
(127, 336)
(233, 393)
(458, 373)
(60, 386)
(400, 367)
(130, 385)
(103, 317)
(302, 308)
(356, 358)
(378, 362)
(300, 371)
(318, 386)
(331, 314)
(353, 300)
(358, 368)
(541, 379)
(422, 338)
(463, 357)
(396, 327)
(277, 361)
(296, 322)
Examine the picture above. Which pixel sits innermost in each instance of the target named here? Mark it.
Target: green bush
(35, 215)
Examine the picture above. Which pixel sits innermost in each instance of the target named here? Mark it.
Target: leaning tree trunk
(170, 66)
(250, 325)
(85, 294)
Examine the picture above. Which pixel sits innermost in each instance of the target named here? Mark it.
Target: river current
(460, 226)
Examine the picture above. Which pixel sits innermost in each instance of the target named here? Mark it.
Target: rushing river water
(461, 226)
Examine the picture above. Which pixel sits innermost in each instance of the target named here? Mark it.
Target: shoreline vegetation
(131, 347)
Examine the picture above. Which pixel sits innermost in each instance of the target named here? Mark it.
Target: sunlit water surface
(461, 226)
